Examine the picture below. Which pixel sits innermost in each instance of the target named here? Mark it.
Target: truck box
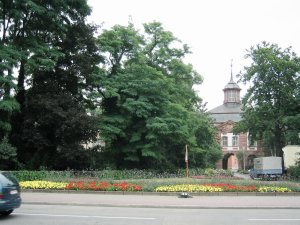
(264, 167)
(267, 163)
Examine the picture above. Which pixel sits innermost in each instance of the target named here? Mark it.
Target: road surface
(36, 214)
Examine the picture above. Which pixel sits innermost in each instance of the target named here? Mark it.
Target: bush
(8, 155)
(26, 175)
(294, 171)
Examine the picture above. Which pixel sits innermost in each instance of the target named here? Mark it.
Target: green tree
(54, 129)
(56, 123)
(149, 108)
(9, 57)
(48, 45)
(271, 104)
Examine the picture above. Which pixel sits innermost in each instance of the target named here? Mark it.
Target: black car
(10, 198)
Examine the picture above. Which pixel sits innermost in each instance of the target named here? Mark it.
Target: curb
(162, 206)
(165, 193)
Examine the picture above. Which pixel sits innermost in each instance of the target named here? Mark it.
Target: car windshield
(7, 179)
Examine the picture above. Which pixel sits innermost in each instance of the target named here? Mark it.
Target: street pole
(187, 161)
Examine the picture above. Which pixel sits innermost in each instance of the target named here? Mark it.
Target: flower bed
(80, 185)
(219, 187)
(39, 184)
(126, 186)
(103, 186)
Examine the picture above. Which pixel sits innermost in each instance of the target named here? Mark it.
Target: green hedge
(26, 175)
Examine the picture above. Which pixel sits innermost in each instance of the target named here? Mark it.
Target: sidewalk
(163, 201)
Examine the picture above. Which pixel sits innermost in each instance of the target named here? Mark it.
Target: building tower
(238, 152)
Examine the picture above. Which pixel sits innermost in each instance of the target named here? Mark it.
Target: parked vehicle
(267, 168)
(10, 198)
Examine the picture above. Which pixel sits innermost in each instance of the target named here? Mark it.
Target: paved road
(30, 214)
(154, 200)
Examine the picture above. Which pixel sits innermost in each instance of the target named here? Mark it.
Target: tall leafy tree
(9, 58)
(149, 109)
(56, 123)
(271, 104)
(51, 49)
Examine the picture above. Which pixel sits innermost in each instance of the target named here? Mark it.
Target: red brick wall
(225, 128)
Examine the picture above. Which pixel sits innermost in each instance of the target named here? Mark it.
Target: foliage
(52, 73)
(271, 103)
(53, 53)
(294, 171)
(8, 155)
(55, 126)
(149, 108)
(26, 175)
(217, 173)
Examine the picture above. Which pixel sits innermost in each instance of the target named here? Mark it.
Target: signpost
(187, 161)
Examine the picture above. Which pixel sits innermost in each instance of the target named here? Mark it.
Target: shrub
(26, 175)
(294, 171)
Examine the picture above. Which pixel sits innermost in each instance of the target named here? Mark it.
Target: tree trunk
(279, 144)
(21, 85)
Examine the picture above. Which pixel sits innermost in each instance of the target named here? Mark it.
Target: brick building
(238, 151)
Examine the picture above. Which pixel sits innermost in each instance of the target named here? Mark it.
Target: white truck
(267, 168)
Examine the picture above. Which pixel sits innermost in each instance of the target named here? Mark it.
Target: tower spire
(231, 77)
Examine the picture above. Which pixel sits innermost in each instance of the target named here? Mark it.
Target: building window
(224, 141)
(235, 141)
(252, 143)
(232, 96)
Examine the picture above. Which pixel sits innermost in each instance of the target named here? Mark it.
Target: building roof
(226, 112)
(231, 84)
(231, 108)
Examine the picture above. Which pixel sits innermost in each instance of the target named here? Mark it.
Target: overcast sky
(216, 31)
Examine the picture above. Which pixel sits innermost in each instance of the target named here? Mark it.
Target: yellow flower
(188, 188)
(38, 184)
(273, 189)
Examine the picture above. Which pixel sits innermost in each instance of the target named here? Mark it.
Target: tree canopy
(44, 46)
(149, 108)
(62, 87)
(271, 106)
